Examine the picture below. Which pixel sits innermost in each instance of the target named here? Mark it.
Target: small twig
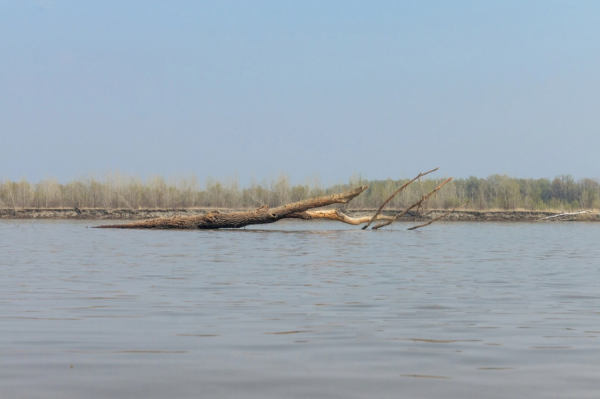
(437, 218)
(404, 212)
(393, 195)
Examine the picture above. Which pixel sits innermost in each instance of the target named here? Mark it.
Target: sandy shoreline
(130, 214)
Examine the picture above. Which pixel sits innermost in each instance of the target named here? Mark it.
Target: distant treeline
(118, 191)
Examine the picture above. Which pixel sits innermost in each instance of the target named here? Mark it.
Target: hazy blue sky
(335, 88)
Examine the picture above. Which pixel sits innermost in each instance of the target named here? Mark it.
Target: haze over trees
(119, 191)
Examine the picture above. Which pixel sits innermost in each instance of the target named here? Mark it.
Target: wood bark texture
(262, 215)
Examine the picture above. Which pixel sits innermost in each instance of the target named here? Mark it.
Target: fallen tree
(297, 210)
(262, 215)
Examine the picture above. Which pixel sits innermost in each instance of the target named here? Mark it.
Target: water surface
(300, 309)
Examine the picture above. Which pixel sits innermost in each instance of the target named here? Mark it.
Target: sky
(328, 89)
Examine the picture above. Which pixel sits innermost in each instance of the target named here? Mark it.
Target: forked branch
(418, 203)
(393, 195)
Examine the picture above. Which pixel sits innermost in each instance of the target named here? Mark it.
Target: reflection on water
(300, 309)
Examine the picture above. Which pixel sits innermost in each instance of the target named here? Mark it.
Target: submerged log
(262, 215)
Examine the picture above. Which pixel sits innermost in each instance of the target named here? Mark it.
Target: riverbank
(137, 214)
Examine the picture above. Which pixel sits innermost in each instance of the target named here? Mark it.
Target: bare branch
(437, 218)
(394, 194)
(418, 203)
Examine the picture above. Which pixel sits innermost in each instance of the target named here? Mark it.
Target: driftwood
(418, 203)
(437, 218)
(393, 195)
(262, 215)
(298, 210)
(562, 215)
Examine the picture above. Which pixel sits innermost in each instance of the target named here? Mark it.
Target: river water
(300, 310)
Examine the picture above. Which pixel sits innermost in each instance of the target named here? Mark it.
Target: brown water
(300, 310)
